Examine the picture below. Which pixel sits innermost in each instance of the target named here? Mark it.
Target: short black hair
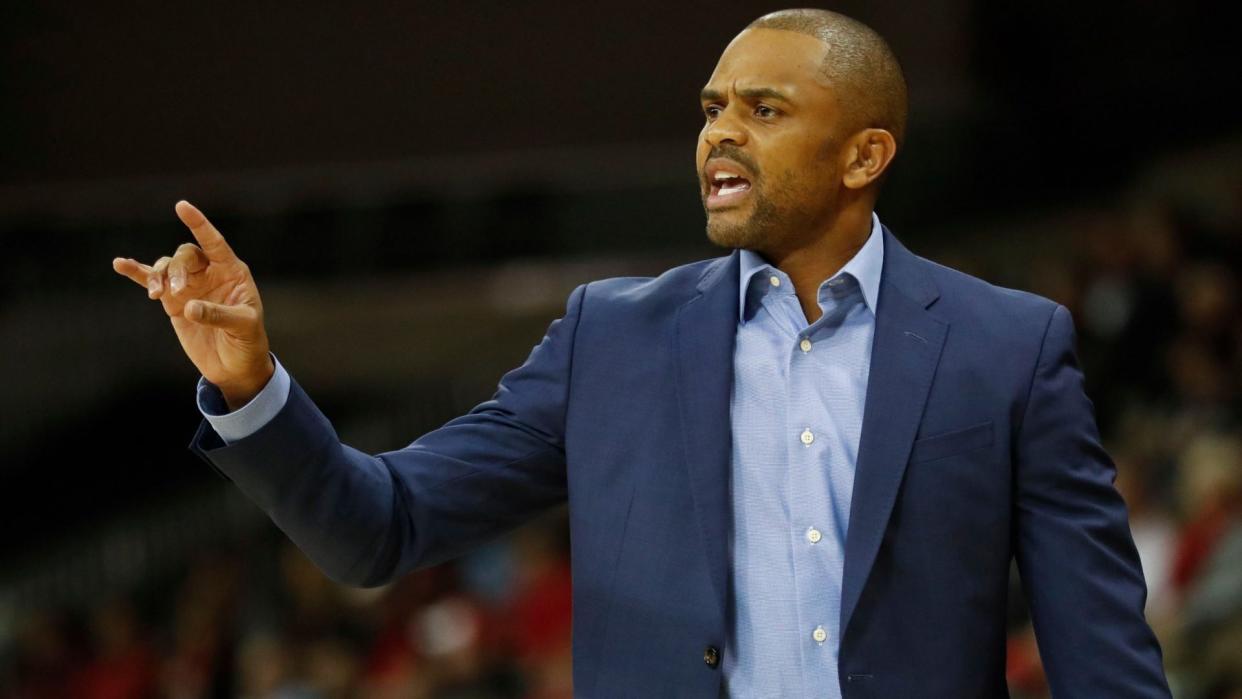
(859, 64)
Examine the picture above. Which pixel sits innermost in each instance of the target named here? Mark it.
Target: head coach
(799, 470)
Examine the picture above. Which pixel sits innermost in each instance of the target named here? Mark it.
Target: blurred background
(418, 186)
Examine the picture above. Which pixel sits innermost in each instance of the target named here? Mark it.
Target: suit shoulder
(965, 295)
(669, 288)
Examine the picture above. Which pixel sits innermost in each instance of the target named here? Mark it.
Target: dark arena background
(418, 186)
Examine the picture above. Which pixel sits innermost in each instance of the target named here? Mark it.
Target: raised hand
(214, 307)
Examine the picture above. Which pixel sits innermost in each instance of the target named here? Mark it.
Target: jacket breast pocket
(938, 446)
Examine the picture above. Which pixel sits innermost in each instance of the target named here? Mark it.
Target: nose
(725, 129)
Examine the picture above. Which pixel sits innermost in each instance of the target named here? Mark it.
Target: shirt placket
(815, 548)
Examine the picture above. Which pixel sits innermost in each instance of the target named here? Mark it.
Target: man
(799, 470)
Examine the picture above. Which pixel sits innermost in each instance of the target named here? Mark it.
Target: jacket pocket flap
(949, 443)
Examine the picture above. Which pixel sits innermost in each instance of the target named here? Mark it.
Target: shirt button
(776, 281)
(819, 634)
(805, 345)
(711, 656)
(813, 535)
(807, 437)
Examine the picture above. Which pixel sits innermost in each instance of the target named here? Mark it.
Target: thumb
(239, 317)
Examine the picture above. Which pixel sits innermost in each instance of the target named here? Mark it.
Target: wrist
(238, 393)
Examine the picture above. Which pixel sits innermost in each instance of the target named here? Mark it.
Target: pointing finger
(134, 270)
(213, 244)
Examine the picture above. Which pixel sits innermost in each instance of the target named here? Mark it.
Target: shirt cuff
(251, 417)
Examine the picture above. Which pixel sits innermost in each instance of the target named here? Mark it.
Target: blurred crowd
(1154, 290)
(259, 621)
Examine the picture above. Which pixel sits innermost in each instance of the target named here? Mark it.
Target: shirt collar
(865, 267)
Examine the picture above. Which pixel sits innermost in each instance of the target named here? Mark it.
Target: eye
(763, 111)
(711, 111)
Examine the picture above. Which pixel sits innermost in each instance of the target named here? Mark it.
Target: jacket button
(711, 656)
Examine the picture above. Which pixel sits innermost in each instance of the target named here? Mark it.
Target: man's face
(768, 153)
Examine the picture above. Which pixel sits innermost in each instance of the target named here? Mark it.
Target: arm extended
(364, 519)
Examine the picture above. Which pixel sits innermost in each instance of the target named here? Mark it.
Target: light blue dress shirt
(797, 411)
(797, 408)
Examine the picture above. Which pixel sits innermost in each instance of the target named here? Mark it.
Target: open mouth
(726, 188)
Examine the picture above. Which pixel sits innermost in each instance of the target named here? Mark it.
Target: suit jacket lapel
(706, 329)
(904, 355)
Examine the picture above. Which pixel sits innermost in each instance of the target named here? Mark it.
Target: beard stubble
(770, 222)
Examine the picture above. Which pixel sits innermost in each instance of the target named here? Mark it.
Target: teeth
(730, 190)
(724, 175)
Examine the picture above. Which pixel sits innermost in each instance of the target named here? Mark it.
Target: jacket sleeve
(364, 519)
(1075, 554)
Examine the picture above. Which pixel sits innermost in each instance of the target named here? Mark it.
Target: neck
(816, 260)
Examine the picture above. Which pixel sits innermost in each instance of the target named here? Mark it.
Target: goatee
(750, 233)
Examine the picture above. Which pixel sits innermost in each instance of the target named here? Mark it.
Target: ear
(867, 156)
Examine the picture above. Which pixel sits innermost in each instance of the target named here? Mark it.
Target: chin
(730, 234)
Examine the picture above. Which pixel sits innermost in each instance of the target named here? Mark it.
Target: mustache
(735, 154)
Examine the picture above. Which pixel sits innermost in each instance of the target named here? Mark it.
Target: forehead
(772, 58)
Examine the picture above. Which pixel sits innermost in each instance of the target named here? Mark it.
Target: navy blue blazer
(978, 446)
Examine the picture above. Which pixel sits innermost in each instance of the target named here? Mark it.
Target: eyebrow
(749, 93)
